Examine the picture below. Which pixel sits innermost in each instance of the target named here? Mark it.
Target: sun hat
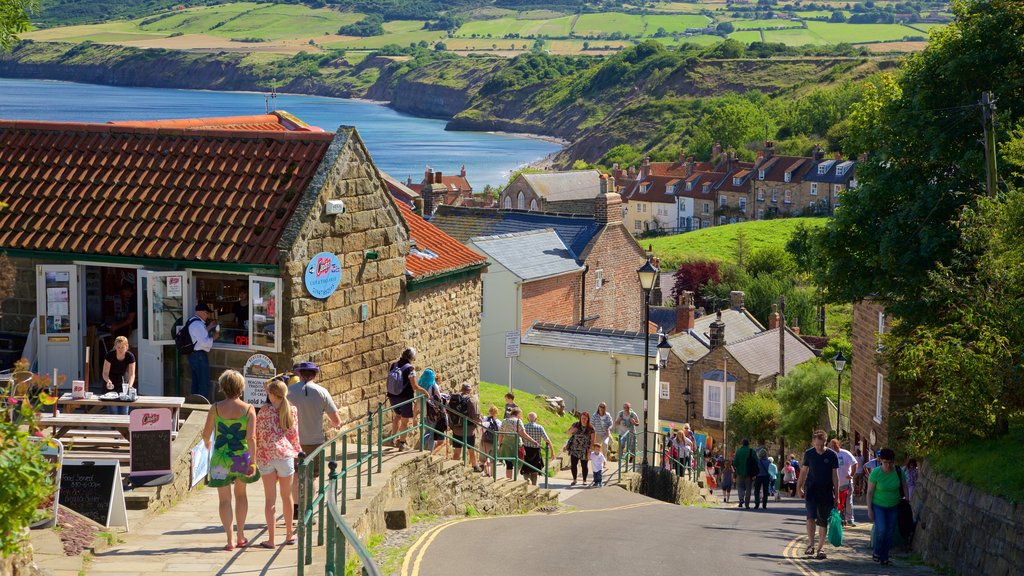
(302, 366)
(427, 379)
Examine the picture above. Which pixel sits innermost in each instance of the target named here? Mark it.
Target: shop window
(165, 304)
(878, 398)
(264, 325)
(245, 307)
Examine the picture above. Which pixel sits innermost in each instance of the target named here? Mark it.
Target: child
(597, 461)
(727, 480)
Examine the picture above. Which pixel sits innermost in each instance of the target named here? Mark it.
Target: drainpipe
(583, 294)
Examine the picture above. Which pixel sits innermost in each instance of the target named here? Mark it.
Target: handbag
(904, 514)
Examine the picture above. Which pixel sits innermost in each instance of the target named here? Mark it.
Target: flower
(218, 473)
(231, 436)
(241, 464)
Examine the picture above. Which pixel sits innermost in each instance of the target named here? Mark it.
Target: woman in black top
(582, 437)
(118, 367)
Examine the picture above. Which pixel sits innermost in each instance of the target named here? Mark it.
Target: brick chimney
(428, 176)
(773, 320)
(433, 195)
(685, 316)
(608, 204)
(817, 153)
(408, 180)
(717, 333)
(769, 148)
(631, 171)
(737, 299)
(689, 166)
(682, 157)
(716, 152)
(838, 156)
(645, 168)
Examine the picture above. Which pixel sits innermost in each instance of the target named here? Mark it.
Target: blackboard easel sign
(150, 430)
(93, 489)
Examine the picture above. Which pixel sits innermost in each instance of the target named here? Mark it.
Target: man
(465, 418)
(312, 401)
(602, 423)
(407, 374)
(741, 463)
(627, 421)
(533, 456)
(818, 486)
(199, 359)
(847, 471)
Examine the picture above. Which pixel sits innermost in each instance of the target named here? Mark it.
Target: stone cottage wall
(965, 529)
(17, 311)
(443, 323)
(353, 355)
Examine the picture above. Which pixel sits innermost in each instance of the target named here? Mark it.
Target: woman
(910, 477)
(773, 475)
(491, 424)
(118, 368)
(789, 479)
(727, 480)
(690, 438)
(581, 438)
(883, 496)
(434, 441)
(682, 452)
(512, 433)
(231, 466)
(761, 480)
(277, 445)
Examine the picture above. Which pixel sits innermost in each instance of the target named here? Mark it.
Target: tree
(692, 276)
(755, 416)
(725, 28)
(802, 395)
(771, 260)
(837, 16)
(14, 20)
(440, 46)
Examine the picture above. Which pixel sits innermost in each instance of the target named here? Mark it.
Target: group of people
(247, 446)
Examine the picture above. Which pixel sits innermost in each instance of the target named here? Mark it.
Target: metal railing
(324, 496)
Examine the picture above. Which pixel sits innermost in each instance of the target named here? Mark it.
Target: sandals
(267, 545)
(820, 555)
(242, 543)
(289, 541)
(809, 551)
(229, 548)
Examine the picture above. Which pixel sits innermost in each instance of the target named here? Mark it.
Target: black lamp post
(840, 363)
(686, 393)
(648, 274)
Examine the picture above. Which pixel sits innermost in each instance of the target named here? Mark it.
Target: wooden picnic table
(93, 404)
(64, 422)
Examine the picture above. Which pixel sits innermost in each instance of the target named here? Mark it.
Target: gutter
(147, 262)
(414, 284)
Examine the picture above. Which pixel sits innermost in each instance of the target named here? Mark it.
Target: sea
(400, 144)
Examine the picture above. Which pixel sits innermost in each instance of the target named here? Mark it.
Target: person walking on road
(883, 496)
(597, 462)
(773, 478)
(313, 402)
(819, 482)
(581, 438)
(789, 479)
(603, 428)
(627, 421)
(277, 445)
(745, 464)
(762, 480)
(533, 460)
(847, 471)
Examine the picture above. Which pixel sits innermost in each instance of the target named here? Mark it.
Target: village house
(287, 232)
(438, 189)
(733, 192)
(869, 385)
(569, 192)
(826, 180)
(778, 183)
(649, 200)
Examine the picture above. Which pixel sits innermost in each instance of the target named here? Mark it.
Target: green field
(794, 37)
(719, 242)
(835, 33)
(675, 23)
(746, 36)
(242, 19)
(400, 32)
(522, 24)
(596, 24)
(757, 24)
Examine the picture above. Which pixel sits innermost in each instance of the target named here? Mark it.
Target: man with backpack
(401, 388)
(464, 411)
(195, 341)
(745, 463)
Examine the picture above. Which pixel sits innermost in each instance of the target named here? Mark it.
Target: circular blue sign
(323, 274)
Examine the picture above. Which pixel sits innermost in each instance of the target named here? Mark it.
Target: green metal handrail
(339, 533)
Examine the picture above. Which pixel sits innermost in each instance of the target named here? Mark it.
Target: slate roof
(569, 185)
(759, 354)
(182, 193)
(591, 339)
(678, 169)
(654, 189)
(529, 255)
(575, 230)
(694, 344)
(831, 173)
(435, 252)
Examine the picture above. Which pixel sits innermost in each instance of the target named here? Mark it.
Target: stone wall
(353, 355)
(443, 323)
(19, 565)
(16, 312)
(555, 300)
(965, 529)
(618, 304)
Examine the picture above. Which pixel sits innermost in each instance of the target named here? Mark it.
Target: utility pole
(782, 337)
(988, 121)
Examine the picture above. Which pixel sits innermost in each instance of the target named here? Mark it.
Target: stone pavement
(854, 557)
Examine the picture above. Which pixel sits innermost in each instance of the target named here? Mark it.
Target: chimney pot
(773, 320)
(737, 299)
(685, 316)
(437, 177)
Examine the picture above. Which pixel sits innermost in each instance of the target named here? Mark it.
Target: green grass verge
(718, 243)
(967, 461)
(555, 425)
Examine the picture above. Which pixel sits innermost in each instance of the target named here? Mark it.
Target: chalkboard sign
(150, 442)
(93, 489)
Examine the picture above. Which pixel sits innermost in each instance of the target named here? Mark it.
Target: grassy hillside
(555, 425)
(719, 242)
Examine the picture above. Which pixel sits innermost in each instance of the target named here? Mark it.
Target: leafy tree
(14, 20)
(755, 416)
(837, 16)
(440, 46)
(771, 260)
(801, 395)
(725, 28)
(372, 25)
(692, 276)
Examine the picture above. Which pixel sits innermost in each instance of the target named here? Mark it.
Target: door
(161, 306)
(58, 308)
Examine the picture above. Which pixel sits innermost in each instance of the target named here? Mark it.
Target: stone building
(288, 232)
(570, 192)
(869, 384)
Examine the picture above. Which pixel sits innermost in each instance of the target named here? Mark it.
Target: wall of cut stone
(964, 529)
(443, 323)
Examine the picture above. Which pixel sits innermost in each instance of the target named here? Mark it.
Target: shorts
(404, 411)
(819, 508)
(283, 467)
(457, 440)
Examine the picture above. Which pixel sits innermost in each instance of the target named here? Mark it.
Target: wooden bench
(63, 423)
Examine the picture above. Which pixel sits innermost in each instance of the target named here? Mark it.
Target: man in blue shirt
(819, 486)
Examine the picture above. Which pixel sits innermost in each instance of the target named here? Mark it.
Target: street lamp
(648, 274)
(840, 363)
(663, 349)
(686, 393)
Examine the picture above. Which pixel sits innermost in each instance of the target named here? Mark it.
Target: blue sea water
(400, 145)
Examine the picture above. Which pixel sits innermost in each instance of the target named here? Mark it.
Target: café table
(94, 406)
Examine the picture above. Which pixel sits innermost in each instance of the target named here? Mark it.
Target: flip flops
(267, 545)
(229, 548)
(289, 542)
(242, 543)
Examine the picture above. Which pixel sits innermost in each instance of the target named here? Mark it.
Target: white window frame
(787, 197)
(788, 177)
(814, 188)
(775, 196)
(533, 205)
(760, 174)
(708, 385)
(707, 188)
(760, 213)
(743, 203)
(253, 293)
(507, 203)
(879, 383)
(723, 201)
(836, 189)
(707, 208)
(521, 201)
(186, 312)
(598, 278)
(737, 181)
(721, 220)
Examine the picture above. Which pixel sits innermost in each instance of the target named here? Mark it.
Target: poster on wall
(258, 368)
(323, 274)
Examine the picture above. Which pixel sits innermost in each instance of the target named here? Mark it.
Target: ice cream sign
(323, 274)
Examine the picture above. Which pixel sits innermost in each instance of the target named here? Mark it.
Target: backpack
(396, 384)
(435, 411)
(753, 464)
(491, 431)
(183, 340)
(459, 404)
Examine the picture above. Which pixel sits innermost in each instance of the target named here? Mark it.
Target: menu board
(150, 430)
(93, 489)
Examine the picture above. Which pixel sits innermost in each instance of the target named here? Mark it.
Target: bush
(770, 260)
(692, 277)
(801, 396)
(755, 416)
(372, 25)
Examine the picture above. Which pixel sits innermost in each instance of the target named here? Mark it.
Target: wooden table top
(140, 402)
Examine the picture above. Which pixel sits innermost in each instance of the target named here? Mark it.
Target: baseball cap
(305, 366)
(203, 307)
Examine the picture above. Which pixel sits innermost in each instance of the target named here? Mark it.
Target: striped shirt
(535, 431)
(601, 424)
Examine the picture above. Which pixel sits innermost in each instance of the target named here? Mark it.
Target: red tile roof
(277, 121)
(152, 192)
(451, 255)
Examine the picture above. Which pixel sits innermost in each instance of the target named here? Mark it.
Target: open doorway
(110, 299)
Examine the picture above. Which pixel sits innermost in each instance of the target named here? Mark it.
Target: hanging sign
(258, 368)
(323, 274)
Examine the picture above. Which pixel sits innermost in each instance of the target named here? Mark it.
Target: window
(507, 203)
(760, 174)
(788, 176)
(881, 323)
(723, 201)
(775, 196)
(760, 213)
(689, 186)
(706, 188)
(836, 190)
(245, 307)
(787, 197)
(737, 181)
(521, 201)
(878, 398)
(598, 278)
(814, 188)
(841, 169)
(704, 223)
(636, 225)
(263, 328)
(825, 166)
(664, 391)
(713, 399)
(743, 204)
(533, 205)
(707, 208)
(760, 194)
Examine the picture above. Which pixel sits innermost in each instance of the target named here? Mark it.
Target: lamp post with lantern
(648, 275)
(840, 362)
